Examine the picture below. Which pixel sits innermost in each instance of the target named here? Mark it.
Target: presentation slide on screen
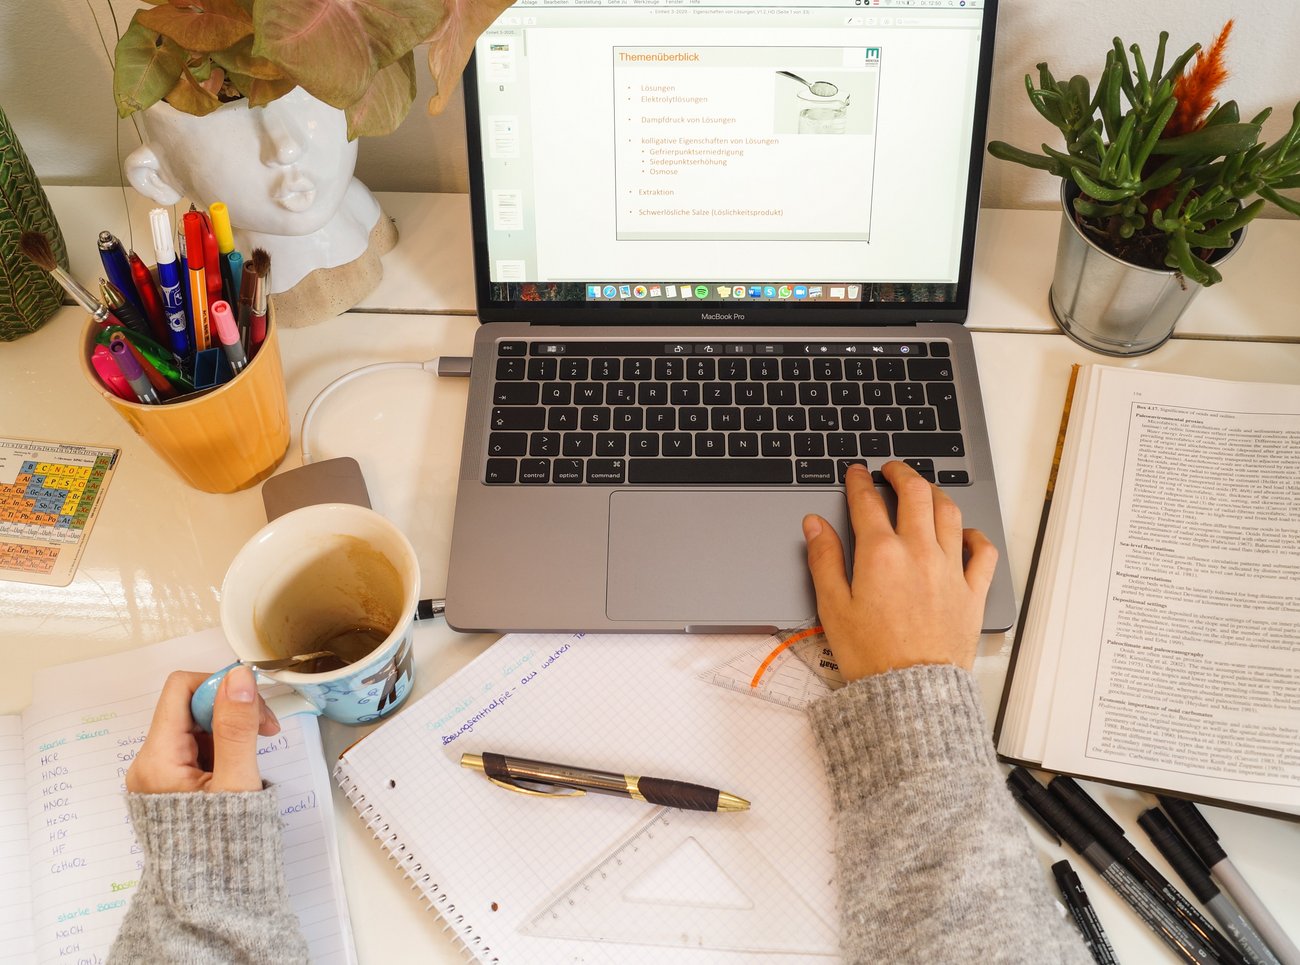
(744, 143)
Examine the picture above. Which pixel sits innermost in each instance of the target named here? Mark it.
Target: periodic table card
(50, 494)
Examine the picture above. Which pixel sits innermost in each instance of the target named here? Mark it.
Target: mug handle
(282, 705)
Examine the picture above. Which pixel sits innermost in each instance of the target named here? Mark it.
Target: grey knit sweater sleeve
(934, 861)
(212, 888)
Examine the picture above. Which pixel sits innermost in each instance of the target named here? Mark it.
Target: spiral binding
(431, 894)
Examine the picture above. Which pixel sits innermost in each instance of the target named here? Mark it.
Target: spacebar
(705, 471)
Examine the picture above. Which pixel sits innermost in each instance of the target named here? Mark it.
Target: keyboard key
(607, 471)
(628, 419)
(678, 444)
(842, 467)
(776, 444)
(877, 393)
(909, 393)
(930, 370)
(791, 419)
(733, 369)
(814, 471)
(567, 471)
(891, 370)
(920, 419)
(518, 418)
(710, 444)
(643, 444)
(782, 393)
(620, 393)
(824, 419)
(724, 418)
(841, 444)
(605, 370)
(534, 471)
(594, 418)
(637, 370)
(544, 444)
(652, 393)
(846, 393)
(543, 370)
(953, 477)
(684, 393)
(928, 444)
(809, 444)
(887, 418)
(814, 393)
(924, 467)
(717, 393)
(855, 420)
(577, 444)
(516, 393)
(939, 349)
(562, 417)
(873, 443)
(661, 418)
(742, 444)
(750, 393)
(859, 370)
(828, 370)
(575, 370)
(670, 370)
(611, 444)
(693, 418)
(589, 393)
(764, 369)
(701, 472)
(796, 370)
(512, 348)
(507, 443)
(557, 393)
(758, 419)
(702, 370)
(501, 471)
(943, 396)
(510, 369)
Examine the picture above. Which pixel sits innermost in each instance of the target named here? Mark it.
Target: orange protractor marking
(782, 646)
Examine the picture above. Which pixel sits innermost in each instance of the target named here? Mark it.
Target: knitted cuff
(881, 730)
(222, 847)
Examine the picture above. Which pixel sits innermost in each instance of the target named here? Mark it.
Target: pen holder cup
(218, 441)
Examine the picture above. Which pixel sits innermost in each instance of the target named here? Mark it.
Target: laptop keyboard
(726, 413)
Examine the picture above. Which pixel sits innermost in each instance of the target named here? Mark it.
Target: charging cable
(449, 366)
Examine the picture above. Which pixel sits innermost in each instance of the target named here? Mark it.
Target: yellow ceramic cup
(224, 440)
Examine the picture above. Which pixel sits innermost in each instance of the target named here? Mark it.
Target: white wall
(55, 85)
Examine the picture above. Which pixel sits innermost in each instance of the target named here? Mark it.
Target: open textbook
(69, 862)
(1160, 647)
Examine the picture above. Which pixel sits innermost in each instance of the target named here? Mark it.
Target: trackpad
(733, 558)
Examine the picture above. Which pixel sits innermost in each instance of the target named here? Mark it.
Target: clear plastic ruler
(796, 677)
(686, 879)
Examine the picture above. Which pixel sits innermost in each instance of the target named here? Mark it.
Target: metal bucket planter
(1108, 305)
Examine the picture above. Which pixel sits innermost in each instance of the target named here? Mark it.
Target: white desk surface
(156, 557)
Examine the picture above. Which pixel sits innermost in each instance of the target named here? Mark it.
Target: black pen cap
(1170, 844)
(1195, 829)
(1026, 789)
(1091, 815)
(1068, 881)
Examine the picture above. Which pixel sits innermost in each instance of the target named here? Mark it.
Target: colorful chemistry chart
(50, 494)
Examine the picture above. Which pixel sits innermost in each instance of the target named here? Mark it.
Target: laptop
(722, 250)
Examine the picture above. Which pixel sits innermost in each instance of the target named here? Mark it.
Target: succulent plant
(1165, 174)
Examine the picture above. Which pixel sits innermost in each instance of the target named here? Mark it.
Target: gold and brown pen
(517, 774)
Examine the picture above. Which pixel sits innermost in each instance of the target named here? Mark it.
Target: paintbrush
(37, 248)
(261, 262)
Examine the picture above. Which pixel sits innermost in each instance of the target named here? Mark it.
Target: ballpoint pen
(1033, 796)
(169, 279)
(147, 289)
(231, 261)
(1198, 833)
(1084, 915)
(517, 774)
(118, 267)
(127, 314)
(1111, 836)
(132, 372)
(1189, 867)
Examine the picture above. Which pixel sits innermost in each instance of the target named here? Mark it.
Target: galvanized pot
(1109, 305)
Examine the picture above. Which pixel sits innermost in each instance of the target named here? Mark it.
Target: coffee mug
(333, 576)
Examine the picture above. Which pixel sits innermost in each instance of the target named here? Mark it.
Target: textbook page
(1180, 654)
(85, 724)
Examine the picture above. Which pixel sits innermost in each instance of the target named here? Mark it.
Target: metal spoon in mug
(822, 88)
(287, 663)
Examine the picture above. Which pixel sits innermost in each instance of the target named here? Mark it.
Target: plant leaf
(261, 91)
(147, 67)
(200, 25)
(192, 98)
(239, 59)
(334, 48)
(453, 41)
(1213, 141)
(387, 101)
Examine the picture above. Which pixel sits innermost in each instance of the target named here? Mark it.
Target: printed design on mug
(392, 674)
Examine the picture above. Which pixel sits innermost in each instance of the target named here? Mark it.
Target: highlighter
(101, 360)
(192, 225)
(231, 261)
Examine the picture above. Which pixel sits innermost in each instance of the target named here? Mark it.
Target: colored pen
(147, 289)
(517, 774)
(1085, 916)
(118, 268)
(230, 260)
(132, 372)
(126, 313)
(1111, 836)
(154, 360)
(1191, 870)
(192, 225)
(1204, 841)
(223, 322)
(211, 259)
(169, 279)
(1033, 796)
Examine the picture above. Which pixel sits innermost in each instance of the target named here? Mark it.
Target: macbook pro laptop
(722, 251)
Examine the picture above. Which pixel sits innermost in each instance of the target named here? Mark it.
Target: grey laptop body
(721, 253)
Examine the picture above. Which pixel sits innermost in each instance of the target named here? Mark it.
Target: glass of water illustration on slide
(822, 108)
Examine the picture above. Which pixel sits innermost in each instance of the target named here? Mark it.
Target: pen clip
(534, 792)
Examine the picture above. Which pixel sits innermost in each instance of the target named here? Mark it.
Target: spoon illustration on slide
(822, 88)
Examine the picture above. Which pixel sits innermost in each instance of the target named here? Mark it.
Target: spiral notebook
(523, 879)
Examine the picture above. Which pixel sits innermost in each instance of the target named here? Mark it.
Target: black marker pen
(1034, 797)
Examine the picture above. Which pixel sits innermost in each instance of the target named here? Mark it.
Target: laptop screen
(678, 160)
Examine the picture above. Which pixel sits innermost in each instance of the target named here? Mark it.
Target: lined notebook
(69, 862)
(599, 878)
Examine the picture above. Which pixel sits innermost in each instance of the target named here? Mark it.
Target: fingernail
(812, 527)
(240, 685)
